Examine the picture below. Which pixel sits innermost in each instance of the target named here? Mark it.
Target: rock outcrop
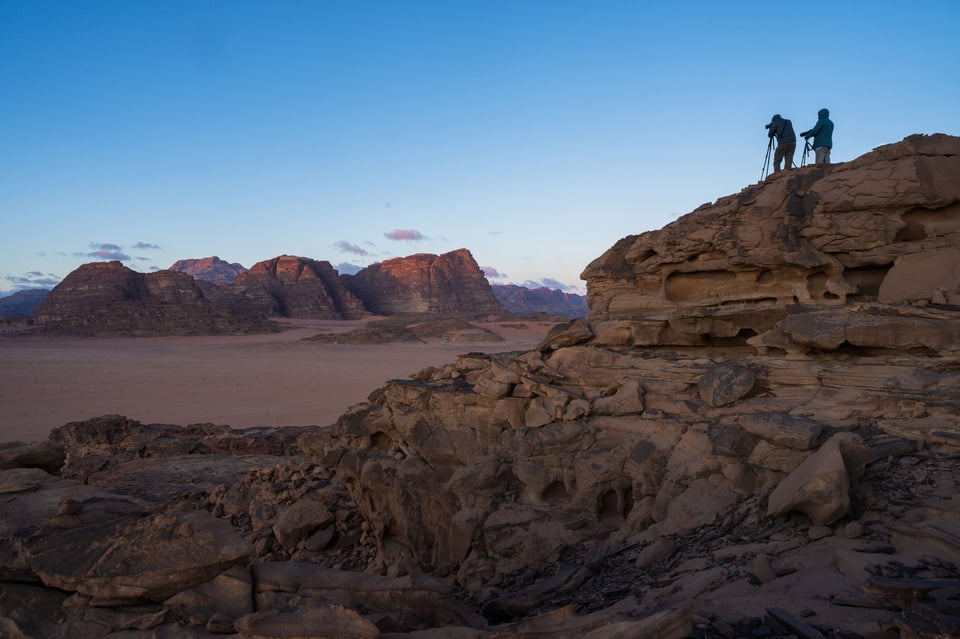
(863, 253)
(693, 460)
(447, 284)
(107, 298)
(209, 269)
(520, 300)
(290, 286)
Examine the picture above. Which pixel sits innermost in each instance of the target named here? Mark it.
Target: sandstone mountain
(209, 269)
(521, 300)
(447, 284)
(108, 298)
(755, 433)
(291, 286)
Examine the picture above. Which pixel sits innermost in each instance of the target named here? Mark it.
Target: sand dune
(241, 381)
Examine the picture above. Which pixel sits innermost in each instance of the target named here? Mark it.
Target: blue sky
(535, 133)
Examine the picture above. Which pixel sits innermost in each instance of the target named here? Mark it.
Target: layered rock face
(520, 300)
(749, 361)
(671, 468)
(447, 284)
(209, 269)
(837, 246)
(106, 298)
(292, 286)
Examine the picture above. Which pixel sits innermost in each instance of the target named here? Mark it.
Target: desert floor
(240, 381)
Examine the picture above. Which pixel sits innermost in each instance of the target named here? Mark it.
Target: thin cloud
(33, 279)
(104, 246)
(406, 235)
(549, 282)
(347, 247)
(489, 271)
(142, 246)
(107, 255)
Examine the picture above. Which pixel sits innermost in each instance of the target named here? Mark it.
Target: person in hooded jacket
(782, 129)
(822, 134)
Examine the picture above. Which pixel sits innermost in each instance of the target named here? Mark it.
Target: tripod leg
(766, 161)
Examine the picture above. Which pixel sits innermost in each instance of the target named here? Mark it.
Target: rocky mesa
(447, 284)
(290, 286)
(107, 298)
(755, 433)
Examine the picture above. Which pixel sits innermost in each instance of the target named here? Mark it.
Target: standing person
(782, 129)
(822, 134)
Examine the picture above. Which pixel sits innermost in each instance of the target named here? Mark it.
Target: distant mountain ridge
(212, 296)
(520, 300)
(22, 303)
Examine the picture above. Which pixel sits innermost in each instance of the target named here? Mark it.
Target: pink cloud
(404, 234)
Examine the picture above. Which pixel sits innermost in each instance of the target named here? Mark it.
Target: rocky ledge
(756, 434)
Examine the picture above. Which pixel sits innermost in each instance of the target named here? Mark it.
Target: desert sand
(240, 381)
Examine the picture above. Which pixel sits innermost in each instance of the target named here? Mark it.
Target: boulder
(820, 486)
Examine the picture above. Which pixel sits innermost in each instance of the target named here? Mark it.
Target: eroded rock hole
(867, 279)
(556, 493)
(612, 507)
(381, 441)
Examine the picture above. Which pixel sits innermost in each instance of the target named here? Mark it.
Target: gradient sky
(535, 133)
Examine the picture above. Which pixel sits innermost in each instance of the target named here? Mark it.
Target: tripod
(806, 149)
(766, 162)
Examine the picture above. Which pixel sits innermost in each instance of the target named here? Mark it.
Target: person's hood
(776, 118)
(823, 113)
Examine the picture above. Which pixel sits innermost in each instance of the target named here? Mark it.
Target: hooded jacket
(822, 131)
(782, 129)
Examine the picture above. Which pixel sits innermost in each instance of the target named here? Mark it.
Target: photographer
(782, 130)
(822, 134)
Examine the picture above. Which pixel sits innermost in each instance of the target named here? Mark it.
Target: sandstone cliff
(209, 269)
(447, 284)
(292, 286)
(755, 434)
(105, 298)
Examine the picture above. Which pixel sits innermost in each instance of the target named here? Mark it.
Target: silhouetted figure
(782, 130)
(822, 134)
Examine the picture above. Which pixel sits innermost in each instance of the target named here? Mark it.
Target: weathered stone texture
(106, 298)
(755, 436)
(291, 286)
(814, 236)
(449, 284)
